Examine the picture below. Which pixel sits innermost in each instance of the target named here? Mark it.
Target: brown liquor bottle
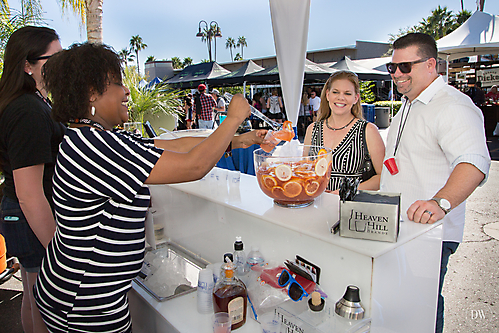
(230, 295)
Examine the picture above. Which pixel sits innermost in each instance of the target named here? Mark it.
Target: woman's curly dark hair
(73, 75)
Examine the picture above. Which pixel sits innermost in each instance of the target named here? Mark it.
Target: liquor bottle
(230, 295)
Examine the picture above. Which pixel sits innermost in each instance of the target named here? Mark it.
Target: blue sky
(169, 27)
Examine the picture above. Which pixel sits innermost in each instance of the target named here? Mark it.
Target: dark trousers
(448, 248)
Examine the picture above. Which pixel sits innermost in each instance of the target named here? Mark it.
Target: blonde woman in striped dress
(341, 127)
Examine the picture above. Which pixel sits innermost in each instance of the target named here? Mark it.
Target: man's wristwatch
(444, 204)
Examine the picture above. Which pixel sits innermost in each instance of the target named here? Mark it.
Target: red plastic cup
(391, 165)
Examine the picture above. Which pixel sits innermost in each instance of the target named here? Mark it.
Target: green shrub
(396, 105)
(366, 91)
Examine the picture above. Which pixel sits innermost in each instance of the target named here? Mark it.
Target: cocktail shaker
(349, 305)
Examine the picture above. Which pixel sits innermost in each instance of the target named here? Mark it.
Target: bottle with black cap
(240, 257)
(349, 305)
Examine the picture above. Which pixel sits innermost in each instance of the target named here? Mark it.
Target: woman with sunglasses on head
(100, 190)
(358, 149)
(29, 140)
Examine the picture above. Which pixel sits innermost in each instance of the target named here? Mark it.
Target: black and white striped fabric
(98, 248)
(348, 156)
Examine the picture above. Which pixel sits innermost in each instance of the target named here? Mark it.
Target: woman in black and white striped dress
(341, 127)
(100, 191)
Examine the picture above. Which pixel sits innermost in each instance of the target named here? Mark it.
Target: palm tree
(208, 34)
(187, 61)
(238, 57)
(229, 44)
(150, 59)
(12, 19)
(241, 41)
(176, 63)
(480, 4)
(461, 17)
(90, 12)
(126, 56)
(137, 44)
(439, 23)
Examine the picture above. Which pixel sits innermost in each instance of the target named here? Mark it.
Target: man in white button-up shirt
(438, 141)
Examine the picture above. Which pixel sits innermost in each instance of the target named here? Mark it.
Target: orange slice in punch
(292, 189)
(304, 174)
(277, 192)
(311, 188)
(268, 181)
(322, 152)
(283, 172)
(321, 166)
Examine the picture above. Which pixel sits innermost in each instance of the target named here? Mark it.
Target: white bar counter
(398, 281)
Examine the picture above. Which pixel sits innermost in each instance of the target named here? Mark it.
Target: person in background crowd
(220, 103)
(100, 190)
(492, 95)
(438, 141)
(476, 94)
(255, 121)
(302, 114)
(274, 106)
(183, 115)
(203, 108)
(263, 103)
(358, 149)
(315, 102)
(189, 114)
(29, 141)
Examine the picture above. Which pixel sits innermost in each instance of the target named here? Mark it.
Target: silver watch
(444, 204)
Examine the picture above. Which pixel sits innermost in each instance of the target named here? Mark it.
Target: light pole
(212, 31)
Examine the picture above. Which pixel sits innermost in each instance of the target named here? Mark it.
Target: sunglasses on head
(295, 290)
(405, 67)
(40, 58)
(343, 71)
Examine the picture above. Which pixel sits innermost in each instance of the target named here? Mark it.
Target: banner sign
(488, 77)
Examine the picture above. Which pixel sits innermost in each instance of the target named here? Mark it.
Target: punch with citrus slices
(293, 180)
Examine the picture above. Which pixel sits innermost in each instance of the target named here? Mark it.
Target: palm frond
(149, 100)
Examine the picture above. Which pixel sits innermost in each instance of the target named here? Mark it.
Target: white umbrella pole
(447, 68)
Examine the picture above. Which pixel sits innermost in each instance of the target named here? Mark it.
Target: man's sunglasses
(405, 67)
(295, 290)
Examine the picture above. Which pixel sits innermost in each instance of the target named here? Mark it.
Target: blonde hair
(304, 98)
(324, 109)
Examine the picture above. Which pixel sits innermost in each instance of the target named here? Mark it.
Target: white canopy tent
(478, 35)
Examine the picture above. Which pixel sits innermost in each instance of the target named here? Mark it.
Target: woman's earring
(92, 111)
(29, 73)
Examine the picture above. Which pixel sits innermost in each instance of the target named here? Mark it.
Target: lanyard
(87, 121)
(46, 100)
(402, 126)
